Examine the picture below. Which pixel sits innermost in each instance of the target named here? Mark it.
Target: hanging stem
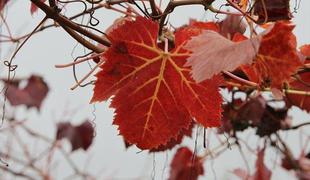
(78, 61)
(250, 83)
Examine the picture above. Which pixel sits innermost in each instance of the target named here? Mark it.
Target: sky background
(108, 154)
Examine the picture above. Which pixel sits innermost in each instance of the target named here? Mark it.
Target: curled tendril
(93, 21)
(74, 72)
(296, 6)
(10, 66)
(216, 15)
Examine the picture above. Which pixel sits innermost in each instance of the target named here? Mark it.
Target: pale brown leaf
(213, 53)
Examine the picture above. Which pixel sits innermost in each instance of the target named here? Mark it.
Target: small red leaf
(185, 165)
(80, 136)
(32, 95)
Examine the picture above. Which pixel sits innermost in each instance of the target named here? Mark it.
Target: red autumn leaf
(231, 25)
(32, 95)
(275, 10)
(277, 49)
(155, 98)
(80, 136)
(34, 8)
(213, 53)
(185, 165)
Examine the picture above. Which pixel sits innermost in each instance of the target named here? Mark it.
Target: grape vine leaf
(154, 95)
(213, 53)
(277, 49)
(185, 165)
(32, 95)
(80, 136)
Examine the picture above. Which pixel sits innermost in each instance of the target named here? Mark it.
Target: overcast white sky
(53, 46)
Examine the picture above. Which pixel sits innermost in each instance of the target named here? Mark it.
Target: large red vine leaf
(155, 97)
(277, 58)
(185, 165)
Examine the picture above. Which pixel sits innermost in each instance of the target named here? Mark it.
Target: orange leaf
(155, 97)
